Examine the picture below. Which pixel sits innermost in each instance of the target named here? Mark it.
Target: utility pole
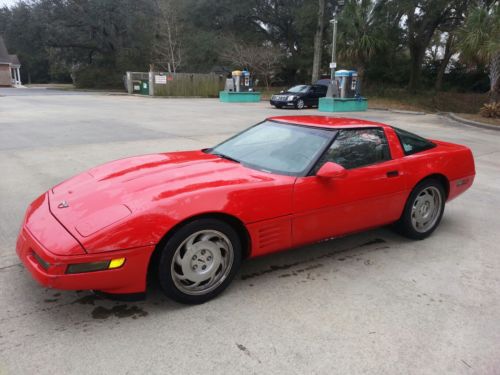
(333, 63)
(333, 89)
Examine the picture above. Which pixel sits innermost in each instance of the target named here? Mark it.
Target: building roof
(14, 60)
(5, 58)
(326, 121)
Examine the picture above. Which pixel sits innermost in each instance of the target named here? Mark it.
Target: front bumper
(49, 269)
(283, 103)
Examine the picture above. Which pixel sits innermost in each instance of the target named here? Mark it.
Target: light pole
(333, 90)
(333, 63)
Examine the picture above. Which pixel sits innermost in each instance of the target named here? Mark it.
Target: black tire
(406, 226)
(167, 271)
(300, 104)
(278, 106)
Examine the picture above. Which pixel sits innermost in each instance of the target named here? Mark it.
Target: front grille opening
(43, 263)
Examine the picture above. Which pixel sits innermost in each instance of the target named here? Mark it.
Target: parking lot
(373, 303)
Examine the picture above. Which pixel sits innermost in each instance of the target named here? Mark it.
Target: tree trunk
(448, 51)
(417, 53)
(361, 76)
(495, 77)
(318, 41)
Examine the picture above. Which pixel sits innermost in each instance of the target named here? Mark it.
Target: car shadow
(293, 108)
(84, 308)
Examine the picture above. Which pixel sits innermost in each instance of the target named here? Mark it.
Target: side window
(357, 148)
(412, 143)
(319, 89)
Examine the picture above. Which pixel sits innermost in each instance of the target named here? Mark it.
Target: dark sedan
(299, 96)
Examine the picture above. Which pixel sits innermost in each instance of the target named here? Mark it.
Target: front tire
(300, 104)
(199, 261)
(423, 210)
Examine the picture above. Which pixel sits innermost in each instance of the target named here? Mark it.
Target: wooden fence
(188, 84)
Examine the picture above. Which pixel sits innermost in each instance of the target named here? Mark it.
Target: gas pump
(241, 81)
(345, 85)
(240, 88)
(343, 94)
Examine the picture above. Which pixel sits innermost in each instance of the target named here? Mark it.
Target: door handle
(393, 174)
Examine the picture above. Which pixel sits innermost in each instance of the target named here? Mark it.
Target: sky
(7, 2)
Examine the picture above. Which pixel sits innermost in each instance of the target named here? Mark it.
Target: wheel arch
(441, 178)
(231, 220)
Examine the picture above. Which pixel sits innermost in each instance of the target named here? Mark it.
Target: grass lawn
(479, 118)
(428, 101)
(59, 86)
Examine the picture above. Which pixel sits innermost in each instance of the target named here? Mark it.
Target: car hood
(105, 195)
(292, 93)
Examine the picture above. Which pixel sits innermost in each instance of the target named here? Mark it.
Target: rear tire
(423, 210)
(199, 261)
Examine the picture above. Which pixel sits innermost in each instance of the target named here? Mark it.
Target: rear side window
(320, 89)
(354, 148)
(412, 143)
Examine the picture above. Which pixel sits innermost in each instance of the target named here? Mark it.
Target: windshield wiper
(225, 157)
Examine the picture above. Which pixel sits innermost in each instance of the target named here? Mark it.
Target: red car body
(125, 208)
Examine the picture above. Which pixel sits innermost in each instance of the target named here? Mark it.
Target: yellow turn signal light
(116, 263)
(102, 265)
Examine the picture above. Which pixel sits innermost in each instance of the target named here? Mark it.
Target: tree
(290, 25)
(166, 51)
(360, 35)
(318, 41)
(423, 17)
(448, 51)
(261, 60)
(480, 42)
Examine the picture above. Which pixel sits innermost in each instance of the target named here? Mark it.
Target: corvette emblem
(63, 204)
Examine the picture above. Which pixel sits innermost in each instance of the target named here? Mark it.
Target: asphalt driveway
(368, 303)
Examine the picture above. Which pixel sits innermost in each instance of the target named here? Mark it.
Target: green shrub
(98, 78)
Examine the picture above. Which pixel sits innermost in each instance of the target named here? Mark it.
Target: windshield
(299, 88)
(274, 147)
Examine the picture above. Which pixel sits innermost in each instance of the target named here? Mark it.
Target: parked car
(299, 96)
(191, 217)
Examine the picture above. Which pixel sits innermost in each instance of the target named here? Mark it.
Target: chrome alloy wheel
(300, 104)
(426, 209)
(202, 262)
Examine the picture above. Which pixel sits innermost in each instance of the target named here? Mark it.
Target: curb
(163, 97)
(406, 112)
(476, 124)
(402, 111)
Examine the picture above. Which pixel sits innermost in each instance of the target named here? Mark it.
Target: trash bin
(144, 87)
(136, 86)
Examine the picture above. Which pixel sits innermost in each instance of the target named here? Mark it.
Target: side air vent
(270, 236)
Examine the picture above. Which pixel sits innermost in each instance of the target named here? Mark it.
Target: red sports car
(191, 217)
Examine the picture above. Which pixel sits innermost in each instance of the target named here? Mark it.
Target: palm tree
(360, 36)
(479, 42)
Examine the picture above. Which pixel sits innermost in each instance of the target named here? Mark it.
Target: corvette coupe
(190, 218)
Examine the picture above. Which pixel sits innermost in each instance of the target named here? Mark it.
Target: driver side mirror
(331, 170)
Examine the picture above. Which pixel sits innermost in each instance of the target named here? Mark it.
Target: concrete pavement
(368, 303)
